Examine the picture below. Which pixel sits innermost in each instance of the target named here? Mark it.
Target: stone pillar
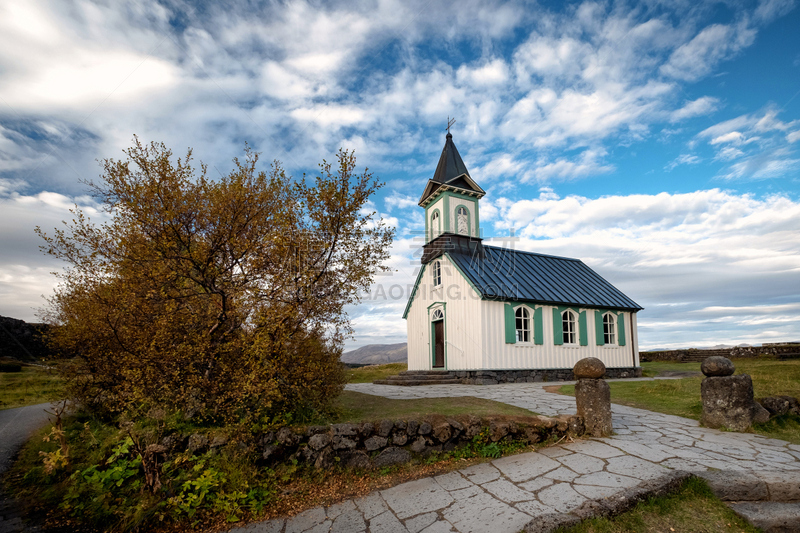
(593, 396)
(728, 399)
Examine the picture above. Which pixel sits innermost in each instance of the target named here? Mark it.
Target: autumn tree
(220, 296)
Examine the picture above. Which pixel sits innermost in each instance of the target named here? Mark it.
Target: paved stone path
(506, 494)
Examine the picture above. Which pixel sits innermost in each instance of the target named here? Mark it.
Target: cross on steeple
(450, 122)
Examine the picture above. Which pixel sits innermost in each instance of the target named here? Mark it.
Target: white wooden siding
(463, 332)
(498, 355)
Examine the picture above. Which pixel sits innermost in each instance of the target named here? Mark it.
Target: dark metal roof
(450, 164)
(505, 274)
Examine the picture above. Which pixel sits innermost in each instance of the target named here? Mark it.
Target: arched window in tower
(436, 225)
(462, 217)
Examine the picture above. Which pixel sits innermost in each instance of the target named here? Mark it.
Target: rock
(344, 430)
(197, 442)
(324, 459)
(418, 446)
(287, 437)
(532, 436)
(267, 438)
(356, 459)
(270, 452)
(400, 425)
(728, 402)
(589, 368)
(385, 427)
(498, 430)
(425, 428)
(219, 440)
(319, 441)
(717, 366)
(593, 400)
(315, 430)
(442, 432)
(343, 443)
(781, 405)
(171, 442)
(391, 456)
(412, 428)
(375, 443)
(399, 439)
(761, 415)
(366, 429)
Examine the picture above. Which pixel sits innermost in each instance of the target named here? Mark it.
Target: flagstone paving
(507, 494)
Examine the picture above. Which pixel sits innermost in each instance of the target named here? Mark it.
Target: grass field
(32, 385)
(357, 407)
(368, 374)
(692, 509)
(681, 397)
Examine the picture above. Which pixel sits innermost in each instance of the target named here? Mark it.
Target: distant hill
(377, 354)
(21, 340)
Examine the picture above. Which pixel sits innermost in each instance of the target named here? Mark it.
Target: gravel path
(16, 427)
(555, 485)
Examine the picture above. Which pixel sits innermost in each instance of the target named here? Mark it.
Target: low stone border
(390, 442)
(614, 505)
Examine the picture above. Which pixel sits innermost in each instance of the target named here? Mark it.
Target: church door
(438, 344)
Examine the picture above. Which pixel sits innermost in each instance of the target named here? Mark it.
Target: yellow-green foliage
(223, 296)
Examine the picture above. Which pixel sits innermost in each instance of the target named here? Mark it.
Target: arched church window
(437, 315)
(437, 273)
(523, 323)
(609, 329)
(436, 225)
(568, 327)
(462, 216)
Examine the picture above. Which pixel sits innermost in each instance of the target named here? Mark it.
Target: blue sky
(657, 141)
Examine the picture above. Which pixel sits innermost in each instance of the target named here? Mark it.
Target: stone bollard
(593, 396)
(728, 399)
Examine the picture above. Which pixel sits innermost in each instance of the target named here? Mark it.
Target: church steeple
(451, 197)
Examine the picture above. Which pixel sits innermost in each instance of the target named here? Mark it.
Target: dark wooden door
(438, 350)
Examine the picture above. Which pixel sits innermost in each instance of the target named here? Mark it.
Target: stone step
(425, 373)
(424, 377)
(770, 517)
(416, 382)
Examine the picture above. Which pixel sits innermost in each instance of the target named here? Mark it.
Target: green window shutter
(511, 325)
(621, 329)
(558, 330)
(583, 335)
(538, 327)
(600, 339)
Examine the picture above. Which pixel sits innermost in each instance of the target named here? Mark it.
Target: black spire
(450, 164)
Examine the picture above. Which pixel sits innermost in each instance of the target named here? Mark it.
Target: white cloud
(683, 159)
(695, 108)
(713, 44)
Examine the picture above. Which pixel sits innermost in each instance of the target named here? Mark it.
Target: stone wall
(493, 377)
(388, 442)
(697, 356)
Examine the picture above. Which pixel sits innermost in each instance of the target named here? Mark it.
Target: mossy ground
(691, 509)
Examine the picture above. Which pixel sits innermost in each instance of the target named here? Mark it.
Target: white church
(479, 310)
